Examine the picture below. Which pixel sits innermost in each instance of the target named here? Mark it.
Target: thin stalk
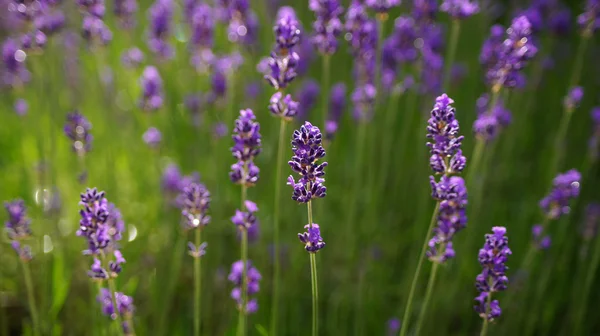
(576, 73)
(360, 147)
(454, 33)
(428, 293)
(486, 323)
(381, 18)
(390, 121)
(242, 308)
(130, 326)
(197, 286)
(113, 290)
(325, 85)
(276, 266)
(413, 286)
(313, 275)
(31, 298)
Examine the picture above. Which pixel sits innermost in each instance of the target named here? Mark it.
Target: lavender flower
(363, 99)
(243, 23)
(94, 8)
(312, 239)
(253, 278)
(327, 26)
(197, 251)
(307, 97)
(152, 137)
(13, 69)
(202, 22)
(307, 149)
(18, 225)
(77, 128)
(247, 145)
(443, 128)
(492, 258)
(393, 326)
(589, 20)
(337, 105)
(246, 220)
(132, 58)
(382, 6)
(565, 187)
(152, 91)
(282, 69)
(100, 224)
(21, 107)
(573, 99)
(283, 107)
(34, 41)
(95, 31)
(194, 201)
(125, 10)
(287, 29)
(173, 182)
(510, 57)
(540, 241)
(399, 47)
(424, 10)
(459, 9)
(124, 303)
(161, 16)
(491, 119)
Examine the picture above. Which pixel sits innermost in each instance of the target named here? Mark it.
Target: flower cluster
(283, 106)
(572, 100)
(77, 128)
(564, 188)
(93, 28)
(161, 16)
(246, 220)
(442, 127)
(194, 201)
(247, 143)
(540, 241)
(490, 119)
(307, 149)
(243, 22)
(382, 6)
(253, 277)
(492, 258)
(287, 29)
(152, 137)
(102, 227)
(125, 307)
(459, 9)
(173, 182)
(152, 90)
(399, 47)
(308, 95)
(202, 26)
(510, 56)
(125, 11)
(13, 71)
(337, 105)
(283, 60)
(312, 239)
(18, 227)
(589, 20)
(327, 25)
(424, 11)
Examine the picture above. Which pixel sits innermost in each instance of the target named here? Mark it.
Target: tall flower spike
(194, 201)
(247, 145)
(287, 29)
(152, 90)
(77, 128)
(492, 258)
(327, 26)
(382, 6)
(308, 150)
(18, 228)
(459, 9)
(491, 119)
(589, 20)
(161, 16)
(564, 188)
(253, 286)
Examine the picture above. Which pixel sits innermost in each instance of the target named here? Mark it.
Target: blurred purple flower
(540, 241)
(77, 128)
(564, 188)
(253, 278)
(459, 9)
(13, 69)
(194, 201)
(589, 20)
(152, 137)
(125, 11)
(327, 27)
(307, 97)
(159, 32)
(247, 145)
(21, 107)
(572, 100)
(132, 58)
(152, 91)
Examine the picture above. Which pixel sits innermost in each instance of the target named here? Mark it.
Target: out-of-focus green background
(373, 223)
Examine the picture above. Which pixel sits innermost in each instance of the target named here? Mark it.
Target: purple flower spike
(152, 137)
(124, 303)
(247, 145)
(282, 69)
(244, 220)
(77, 128)
(540, 241)
(491, 119)
(382, 6)
(492, 258)
(459, 9)
(95, 31)
(327, 26)
(442, 128)
(283, 107)
(152, 91)
(565, 187)
(194, 202)
(287, 29)
(21, 107)
(307, 97)
(253, 278)
(197, 251)
(573, 99)
(161, 16)
(307, 149)
(17, 225)
(589, 20)
(132, 58)
(337, 105)
(125, 11)
(312, 239)
(203, 25)
(13, 69)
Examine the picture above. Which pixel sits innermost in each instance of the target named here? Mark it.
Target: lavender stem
(242, 315)
(381, 18)
(413, 285)
(325, 85)
(197, 286)
(454, 33)
(276, 266)
(313, 274)
(429, 292)
(484, 328)
(31, 298)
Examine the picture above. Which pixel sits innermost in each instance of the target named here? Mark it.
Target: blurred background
(378, 205)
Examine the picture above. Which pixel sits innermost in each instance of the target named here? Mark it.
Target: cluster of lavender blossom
(102, 227)
(18, 228)
(77, 128)
(194, 202)
(308, 150)
(253, 277)
(93, 28)
(327, 26)
(491, 119)
(451, 192)
(492, 279)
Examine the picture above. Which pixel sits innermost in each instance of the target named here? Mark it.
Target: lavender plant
(308, 150)
(450, 194)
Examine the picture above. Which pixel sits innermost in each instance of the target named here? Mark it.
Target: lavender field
(318, 167)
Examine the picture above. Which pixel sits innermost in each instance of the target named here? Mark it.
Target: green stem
(314, 284)
(113, 290)
(197, 286)
(413, 286)
(353, 198)
(428, 293)
(276, 266)
(390, 121)
(242, 308)
(576, 73)
(381, 18)
(31, 298)
(130, 326)
(454, 33)
(486, 322)
(325, 86)
(587, 286)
